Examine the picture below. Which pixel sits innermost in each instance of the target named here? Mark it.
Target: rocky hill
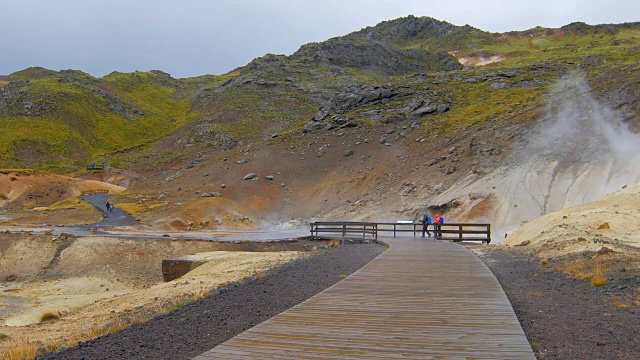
(381, 124)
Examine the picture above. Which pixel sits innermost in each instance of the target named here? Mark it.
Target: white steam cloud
(579, 128)
(579, 152)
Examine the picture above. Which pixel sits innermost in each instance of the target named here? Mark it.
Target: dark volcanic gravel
(198, 327)
(568, 318)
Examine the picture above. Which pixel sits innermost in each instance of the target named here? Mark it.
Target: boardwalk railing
(456, 232)
(345, 229)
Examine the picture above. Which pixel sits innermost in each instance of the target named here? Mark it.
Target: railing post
(460, 232)
(344, 232)
(488, 233)
(394, 230)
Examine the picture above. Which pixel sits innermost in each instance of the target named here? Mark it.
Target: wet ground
(114, 217)
(118, 218)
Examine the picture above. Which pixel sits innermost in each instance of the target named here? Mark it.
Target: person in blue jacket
(426, 221)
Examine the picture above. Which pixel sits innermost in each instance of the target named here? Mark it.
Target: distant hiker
(109, 207)
(437, 220)
(426, 221)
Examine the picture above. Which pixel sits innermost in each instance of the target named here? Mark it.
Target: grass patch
(49, 317)
(181, 304)
(136, 209)
(19, 349)
(535, 346)
(72, 203)
(598, 280)
(591, 269)
(620, 304)
(18, 171)
(598, 275)
(4, 336)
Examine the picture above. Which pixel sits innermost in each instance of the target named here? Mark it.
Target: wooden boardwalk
(420, 299)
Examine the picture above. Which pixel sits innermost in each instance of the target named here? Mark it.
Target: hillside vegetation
(372, 125)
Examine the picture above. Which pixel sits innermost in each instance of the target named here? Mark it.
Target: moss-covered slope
(407, 71)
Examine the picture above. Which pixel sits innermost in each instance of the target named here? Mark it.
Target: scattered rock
(249, 176)
(604, 250)
(604, 226)
(393, 119)
(525, 243)
(499, 86)
(348, 152)
(269, 177)
(434, 161)
(310, 247)
(426, 110)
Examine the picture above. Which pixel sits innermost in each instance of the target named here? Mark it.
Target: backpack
(428, 219)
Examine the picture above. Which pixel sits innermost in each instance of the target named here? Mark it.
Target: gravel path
(198, 327)
(566, 318)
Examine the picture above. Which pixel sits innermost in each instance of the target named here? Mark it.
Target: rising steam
(579, 152)
(578, 129)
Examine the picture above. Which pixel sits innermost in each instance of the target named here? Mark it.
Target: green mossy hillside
(402, 70)
(69, 117)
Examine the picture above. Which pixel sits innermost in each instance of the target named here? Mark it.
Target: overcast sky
(195, 37)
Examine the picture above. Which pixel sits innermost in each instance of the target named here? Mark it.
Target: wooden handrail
(456, 232)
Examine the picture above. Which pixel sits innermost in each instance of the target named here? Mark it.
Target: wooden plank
(421, 299)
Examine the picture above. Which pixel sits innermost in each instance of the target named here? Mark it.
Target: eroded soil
(93, 283)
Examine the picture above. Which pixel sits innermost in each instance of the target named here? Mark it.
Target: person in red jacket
(437, 220)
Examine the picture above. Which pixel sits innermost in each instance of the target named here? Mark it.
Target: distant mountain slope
(379, 124)
(53, 117)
